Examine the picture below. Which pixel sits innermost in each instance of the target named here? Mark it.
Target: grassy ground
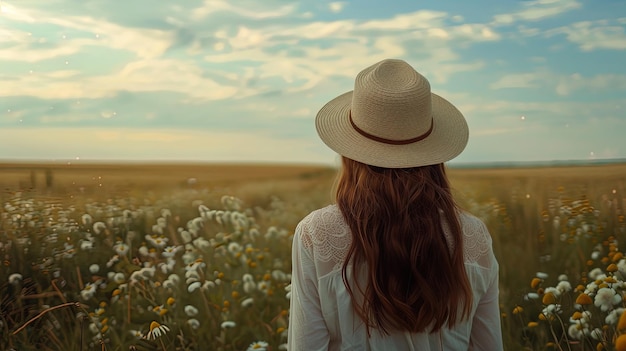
(525, 209)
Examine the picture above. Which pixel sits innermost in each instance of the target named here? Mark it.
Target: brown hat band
(389, 141)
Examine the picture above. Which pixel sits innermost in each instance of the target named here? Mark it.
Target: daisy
(170, 251)
(613, 316)
(228, 324)
(606, 298)
(191, 311)
(193, 323)
(99, 227)
(258, 346)
(136, 333)
(156, 330)
(563, 286)
(94, 268)
(86, 219)
(159, 242)
(88, 292)
(121, 248)
(86, 245)
(15, 278)
(247, 302)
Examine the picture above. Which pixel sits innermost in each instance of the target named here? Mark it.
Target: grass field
(113, 237)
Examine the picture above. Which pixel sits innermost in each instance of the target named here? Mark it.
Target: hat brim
(446, 141)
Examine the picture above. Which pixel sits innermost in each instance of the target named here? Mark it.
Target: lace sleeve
(328, 238)
(476, 240)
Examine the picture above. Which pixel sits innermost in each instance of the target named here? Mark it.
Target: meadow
(197, 257)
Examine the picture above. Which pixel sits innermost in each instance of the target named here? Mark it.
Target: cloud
(601, 82)
(297, 56)
(517, 80)
(171, 75)
(594, 35)
(251, 10)
(336, 7)
(562, 84)
(304, 54)
(87, 32)
(537, 10)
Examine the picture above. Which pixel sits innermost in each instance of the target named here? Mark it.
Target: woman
(394, 264)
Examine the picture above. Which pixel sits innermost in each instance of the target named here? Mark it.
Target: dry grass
(144, 174)
(513, 202)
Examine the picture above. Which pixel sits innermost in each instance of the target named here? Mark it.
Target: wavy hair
(411, 280)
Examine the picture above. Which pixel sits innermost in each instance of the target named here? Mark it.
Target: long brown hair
(413, 280)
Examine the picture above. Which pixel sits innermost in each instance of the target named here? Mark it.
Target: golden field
(563, 222)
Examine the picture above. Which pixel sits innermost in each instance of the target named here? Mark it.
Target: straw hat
(392, 120)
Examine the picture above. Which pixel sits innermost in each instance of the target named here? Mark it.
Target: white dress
(321, 313)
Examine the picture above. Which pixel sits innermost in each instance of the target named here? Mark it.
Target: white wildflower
(171, 251)
(88, 292)
(258, 346)
(86, 245)
(94, 268)
(191, 311)
(136, 333)
(86, 219)
(193, 323)
(564, 286)
(596, 274)
(15, 278)
(99, 227)
(156, 330)
(613, 317)
(158, 242)
(606, 298)
(121, 248)
(551, 310)
(228, 324)
(194, 286)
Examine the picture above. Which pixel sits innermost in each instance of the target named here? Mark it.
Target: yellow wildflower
(535, 283)
(584, 299)
(620, 343)
(621, 325)
(548, 299)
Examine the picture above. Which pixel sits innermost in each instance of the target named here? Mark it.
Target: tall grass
(207, 267)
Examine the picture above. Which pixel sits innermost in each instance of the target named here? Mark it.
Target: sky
(242, 81)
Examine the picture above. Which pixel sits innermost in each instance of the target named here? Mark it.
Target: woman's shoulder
(477, 242)
(322, 217)
(325, 234)
(472, 225)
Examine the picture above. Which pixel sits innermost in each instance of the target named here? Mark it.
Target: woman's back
(324, 317)
(394, 265)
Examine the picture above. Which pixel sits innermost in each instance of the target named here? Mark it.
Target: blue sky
(236, 80)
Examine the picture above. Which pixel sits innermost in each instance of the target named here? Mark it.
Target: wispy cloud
(594, 35)
(249, 9)
(517, 80)
(537, 10)
(562, 84)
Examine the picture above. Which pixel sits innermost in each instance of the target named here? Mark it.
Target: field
(188, 257)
